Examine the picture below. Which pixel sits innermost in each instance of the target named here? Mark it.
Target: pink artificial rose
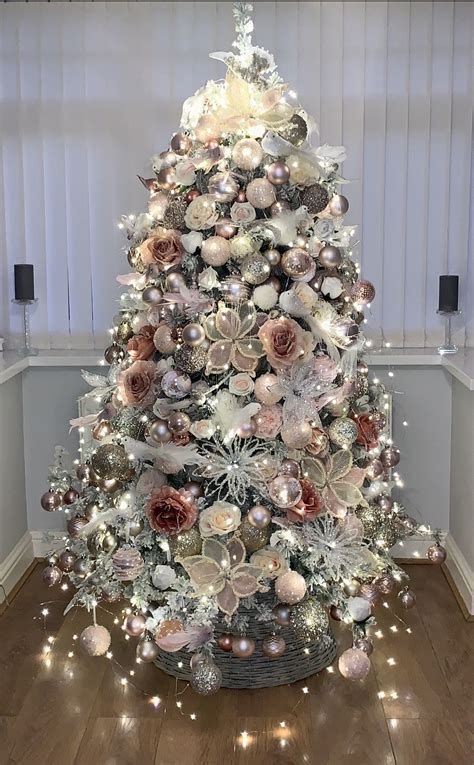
(268, 421)
(136, 384)
(141, 346)
(162, 249)
(285, 342)
(325, 369)
(170, 511)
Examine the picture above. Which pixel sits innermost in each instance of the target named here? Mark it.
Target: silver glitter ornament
(206, 678)
(255, 269)
(372, 518)
(110, 461)
(343, 432)
(309, 619)
(315, 198)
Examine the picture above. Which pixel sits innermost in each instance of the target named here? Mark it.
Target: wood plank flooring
(61, 708)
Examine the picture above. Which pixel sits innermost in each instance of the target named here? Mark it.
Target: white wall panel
(89, 91)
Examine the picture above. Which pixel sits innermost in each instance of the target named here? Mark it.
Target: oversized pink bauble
(363, 292)
(260, 193)
(297, 435)
(95, 640)
(134, 625)
(436, 554)
(243, 646)
(278, 173)
(152, 295)
(354, 664)
(215, 251)
(247, 154)
(285, 491)
(290, 587)
(179, 423)
(267, 389)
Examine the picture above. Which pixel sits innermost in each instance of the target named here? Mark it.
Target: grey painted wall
(13, 524)
(50, 400)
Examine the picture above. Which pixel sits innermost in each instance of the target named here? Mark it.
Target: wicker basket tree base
(300, 660)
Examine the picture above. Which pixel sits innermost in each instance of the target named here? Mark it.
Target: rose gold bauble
(281, 614)
(159, 432)
(407, 598)
(152, 295)
(75, 524)
(273, 257)
(247, 154)
(260, 193)
(164, 339)
(225, 643)
(243, 646)
(83, 472)
(134, 625)
(297, 435)
(168, 158)
(436, 554)
(273, 646)
(247, 429)
(208, 128)
(290, 587)
(354, 664)
(101, 430)
(215, 251)
(175, 282)
(290, 467)
(297, 263)
(330, 256)
(226, 228)
(70, 496)
(385, 502)
(66, 561)
(385, 583)
(167, 178)
(179, 423)
(370, 592)
(223, 187)
(50, 501)
(109, 485)
(278, 173)
(194, 488)
(285, 491)
(147, 651)
(51, 575)
(363, 292)
(259, 516)
(374, 469)
(390, 456)
(279, 207)
(267, 389)
(338, 205)
(180, 143)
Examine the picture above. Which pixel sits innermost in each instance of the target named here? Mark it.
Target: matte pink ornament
(354, 664)
(278, 173)
(290, 587)
(215, 251)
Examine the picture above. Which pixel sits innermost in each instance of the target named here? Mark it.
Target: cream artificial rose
(203, 429)
(241, 246)
(242, 212)
(270, 561)
(219, 519)
(241, 384)
(201, 213)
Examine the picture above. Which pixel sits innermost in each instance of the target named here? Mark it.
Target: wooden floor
(57, 709)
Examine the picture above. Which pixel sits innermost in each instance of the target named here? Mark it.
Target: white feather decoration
(169, 458)
(229, 414)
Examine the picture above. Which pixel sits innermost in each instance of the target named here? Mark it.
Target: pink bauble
(267, 389)
(290, 587)
(134, 625)
(390, 456)
(279, 207)
(50, 501)
(223, 187)
(243, 646)
(215, 251)
(180, 143)
(164, 340)
(436, 554)
(159, 432)
(208, 128)
(167, 178)
(407, 598)
(95, 640)
(290, 467)
(374, 469)
(354, 664)
(226, 228)
(338, 205)
(51, 575)
(298, 264)
(278, 173)
(247, 154)
(273, 646)
(259, 516)
(285, 491)
(297, 435)
(247, 429)
(260, 193)
(147, 651)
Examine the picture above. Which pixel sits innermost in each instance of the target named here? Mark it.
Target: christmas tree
(235, 493)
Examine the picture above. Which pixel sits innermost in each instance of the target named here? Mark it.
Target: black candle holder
(448, 345)
(26, 349)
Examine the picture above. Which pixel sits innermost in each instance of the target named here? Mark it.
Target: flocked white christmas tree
(236, 490)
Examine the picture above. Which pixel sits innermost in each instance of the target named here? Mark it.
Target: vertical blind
(89, 91)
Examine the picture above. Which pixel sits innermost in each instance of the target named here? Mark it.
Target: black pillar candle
(448, 293)
(24, 281)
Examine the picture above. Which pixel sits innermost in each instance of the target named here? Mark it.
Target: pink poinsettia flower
(232, 332)
(221, 572)
(336, 479)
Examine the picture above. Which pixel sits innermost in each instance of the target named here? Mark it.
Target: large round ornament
(298, 264)
(206, 678)
(215, 251)
(179, 423)
(267, 389)
(193, 334)
(176, 384)
(51, 575)
(83, 473)
(343, 432)
(285, 491)
(127, 564)
(70, 497)
(260, 193)
(226, 228)
(147, 651)
(354, 664)
(281, 614)
(110, 461)
(243, 646)
(315, 198)
(159, 432)
(390, 456)
(338, 205)
(167, 178)
(66, 561)
(50, 501)
(273, 646)
(75, 524)
(297, 434)
(191, 360)
(185, 543)
(385, 583)
(436, 554)
(309, 619)
(290, 587)
(374, 469)
(384, 501)
(164, 339)
(95, 640)
(330, 256)
(278, 173)
(290, 467)
(113, 354)
(253, 538)
(363, 292)
(247, 154)
(134, 625)
(152, 296)
(259, 516)
(255, 269)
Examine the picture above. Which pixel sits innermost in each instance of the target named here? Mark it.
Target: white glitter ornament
(354, 664)
(95, 640)
(290, 587)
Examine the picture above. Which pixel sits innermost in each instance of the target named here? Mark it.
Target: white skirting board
(461, 573)
(44, 542)
(15, 565)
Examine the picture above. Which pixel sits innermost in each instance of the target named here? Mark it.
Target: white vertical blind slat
(89, 91)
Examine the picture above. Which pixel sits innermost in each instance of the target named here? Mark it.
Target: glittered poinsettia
(221, 571)
(232, 332)
(338, 481)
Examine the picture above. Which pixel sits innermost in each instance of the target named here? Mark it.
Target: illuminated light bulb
(123, 681)
(193, 716)
(179, 704)
(155, 700)
(108, 655)
(391, 661)
(305, 689)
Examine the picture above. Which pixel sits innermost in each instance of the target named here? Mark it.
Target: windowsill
(460, 365)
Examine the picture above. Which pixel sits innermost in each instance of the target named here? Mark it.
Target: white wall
(89, 91)
(50, 397)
